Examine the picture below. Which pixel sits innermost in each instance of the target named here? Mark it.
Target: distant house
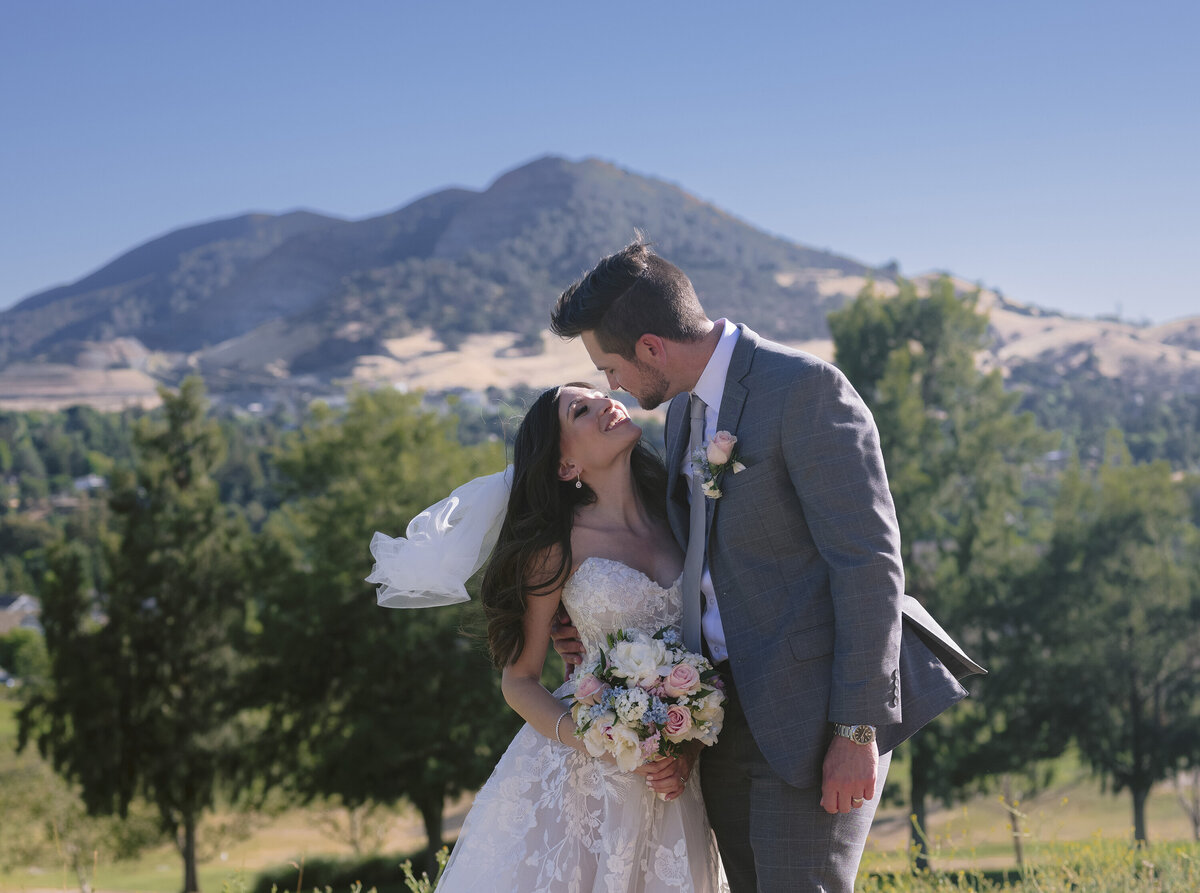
(18, 610)
(90, 482)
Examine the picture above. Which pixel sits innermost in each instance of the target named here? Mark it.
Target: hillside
(453, 290)
(323, 291)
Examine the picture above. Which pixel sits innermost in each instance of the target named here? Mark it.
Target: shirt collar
(711, 384)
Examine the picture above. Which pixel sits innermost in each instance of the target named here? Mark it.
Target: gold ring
(856, 801)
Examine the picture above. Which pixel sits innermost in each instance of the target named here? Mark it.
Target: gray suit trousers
(775, 837)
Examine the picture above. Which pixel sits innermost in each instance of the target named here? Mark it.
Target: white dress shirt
(710, 387)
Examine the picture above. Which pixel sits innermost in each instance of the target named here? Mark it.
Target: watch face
(863, 735)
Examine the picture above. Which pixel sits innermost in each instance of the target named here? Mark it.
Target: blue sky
(1047, 149)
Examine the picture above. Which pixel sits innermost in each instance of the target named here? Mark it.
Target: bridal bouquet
(644, 697)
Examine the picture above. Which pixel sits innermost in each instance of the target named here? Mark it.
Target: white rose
(626, 747)
(595, 739)
(708, 707)
(640, 659)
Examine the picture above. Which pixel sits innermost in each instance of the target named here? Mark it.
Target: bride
(584, 527)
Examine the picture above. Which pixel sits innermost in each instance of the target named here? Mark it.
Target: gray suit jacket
(804, 552)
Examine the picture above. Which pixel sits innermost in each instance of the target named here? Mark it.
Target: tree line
(209, 637)
(1077, 586)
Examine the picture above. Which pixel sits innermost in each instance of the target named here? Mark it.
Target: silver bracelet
(558, 727)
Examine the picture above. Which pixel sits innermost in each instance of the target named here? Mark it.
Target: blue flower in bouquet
(657, 713)
(671, 636)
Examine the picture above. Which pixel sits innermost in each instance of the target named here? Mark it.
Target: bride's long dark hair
(540, 515)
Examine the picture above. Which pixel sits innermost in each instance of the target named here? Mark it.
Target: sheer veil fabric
(442, 547)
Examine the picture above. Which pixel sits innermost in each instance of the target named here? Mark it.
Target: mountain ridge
(304, 299)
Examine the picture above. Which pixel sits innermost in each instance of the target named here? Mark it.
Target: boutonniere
(711, 462)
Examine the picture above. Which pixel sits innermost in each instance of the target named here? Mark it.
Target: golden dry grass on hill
(421, 362)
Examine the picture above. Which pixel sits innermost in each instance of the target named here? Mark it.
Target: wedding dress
(551, 818)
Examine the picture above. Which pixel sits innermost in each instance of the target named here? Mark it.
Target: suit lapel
(677, 438)
(733, 398)
(676, 445)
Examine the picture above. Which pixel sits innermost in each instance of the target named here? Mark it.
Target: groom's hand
(849, 774)
(566, 640)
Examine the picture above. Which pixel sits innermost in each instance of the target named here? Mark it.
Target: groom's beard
(654, 386)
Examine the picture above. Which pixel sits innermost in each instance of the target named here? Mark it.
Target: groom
(801, 582)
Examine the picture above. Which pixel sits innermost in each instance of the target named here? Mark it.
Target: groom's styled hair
(629, 294)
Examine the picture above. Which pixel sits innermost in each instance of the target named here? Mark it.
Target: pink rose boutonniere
(713, 460)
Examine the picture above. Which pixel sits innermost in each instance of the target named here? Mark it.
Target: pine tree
(958, 456)
(1112, 614)
(145, 692)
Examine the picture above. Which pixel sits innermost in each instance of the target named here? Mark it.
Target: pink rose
(684, 679)
(720, 448)
(588, 688)
(679, 721)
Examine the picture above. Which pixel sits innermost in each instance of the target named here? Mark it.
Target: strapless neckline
(606, 594)
(649, 579)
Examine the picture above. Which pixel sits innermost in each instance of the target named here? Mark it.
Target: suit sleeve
(831, 448)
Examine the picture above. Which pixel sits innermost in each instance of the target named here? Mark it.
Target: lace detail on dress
(554, 819)
(605, 595)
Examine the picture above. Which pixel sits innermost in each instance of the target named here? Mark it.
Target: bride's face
(595, 431)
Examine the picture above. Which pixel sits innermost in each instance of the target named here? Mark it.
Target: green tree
(23, 653)
(958, 457)
(30, 471)
(146, 700)
(46, 822)
(378, 704)
(22, 536)
(1112, 614)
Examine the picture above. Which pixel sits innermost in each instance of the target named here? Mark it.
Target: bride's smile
(596, 429)
(616, 417)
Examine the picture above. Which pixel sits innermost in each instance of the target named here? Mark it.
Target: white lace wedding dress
(553, 819)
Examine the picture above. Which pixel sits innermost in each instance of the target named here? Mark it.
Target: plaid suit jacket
(804, 552)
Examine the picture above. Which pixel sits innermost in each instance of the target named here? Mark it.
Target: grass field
(973, 836)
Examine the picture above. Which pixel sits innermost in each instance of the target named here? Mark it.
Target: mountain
(266, 302)
(144, 292)
(456, 261)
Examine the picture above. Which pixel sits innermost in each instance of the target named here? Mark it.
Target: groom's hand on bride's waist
(566, 640)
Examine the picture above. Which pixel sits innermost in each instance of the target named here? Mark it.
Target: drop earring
(578, 483)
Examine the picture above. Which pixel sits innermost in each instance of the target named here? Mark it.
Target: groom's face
(645, 382)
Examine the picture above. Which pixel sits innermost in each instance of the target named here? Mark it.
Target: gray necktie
(693, 562)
